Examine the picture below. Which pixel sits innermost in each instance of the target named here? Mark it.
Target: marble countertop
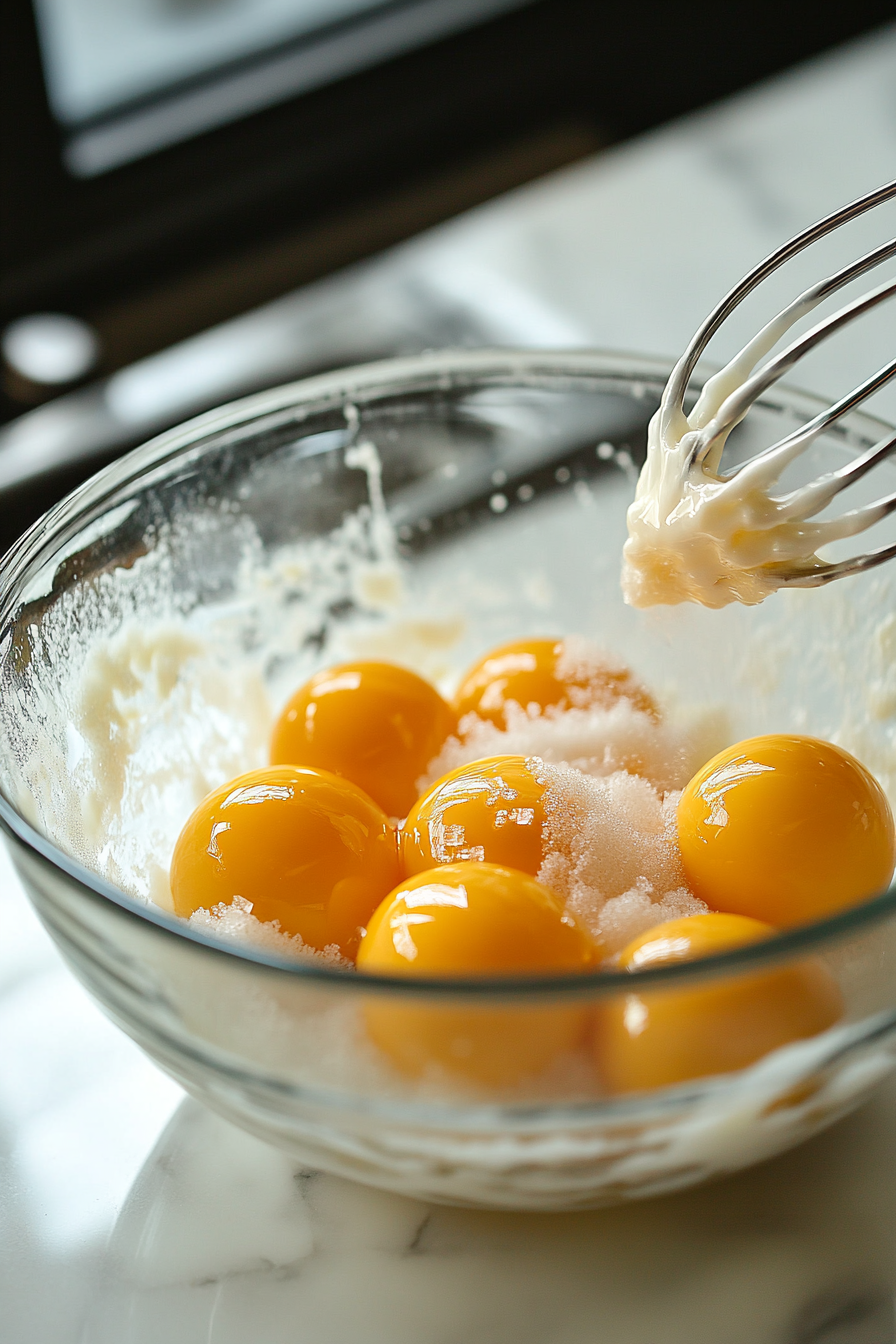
(128, 1215)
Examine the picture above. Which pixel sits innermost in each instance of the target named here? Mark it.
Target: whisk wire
(727, 397)
(746, 359)
(735, 407)
(840, 569)
(809, 500)
(677, 385)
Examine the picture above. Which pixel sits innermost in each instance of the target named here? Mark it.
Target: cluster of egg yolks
(377, 724)
(655, 1038)
(303, 846)
(780, 829)
(474, 919)
(786, 829)
(492, 810)
(525, 673)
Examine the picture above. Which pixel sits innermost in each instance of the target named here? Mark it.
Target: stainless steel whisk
(708, 441)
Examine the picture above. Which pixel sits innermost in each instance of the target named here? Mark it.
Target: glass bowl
(423, 509)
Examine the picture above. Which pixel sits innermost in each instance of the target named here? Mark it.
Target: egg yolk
(492, 810)
(526, 673)
(785, 829)
(376, 724)
(655, 1038)
(303, 846)
(469, 919)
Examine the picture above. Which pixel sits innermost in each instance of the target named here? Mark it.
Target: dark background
(160, 248)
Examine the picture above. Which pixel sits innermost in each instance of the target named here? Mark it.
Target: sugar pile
(596, 741)
(611, 726)
(235, 923)
(611, 852)
(614, 767)
(594, 676)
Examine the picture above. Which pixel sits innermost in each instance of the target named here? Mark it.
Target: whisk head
(727, 397)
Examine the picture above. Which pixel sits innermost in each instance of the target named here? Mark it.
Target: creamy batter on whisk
(696, 535)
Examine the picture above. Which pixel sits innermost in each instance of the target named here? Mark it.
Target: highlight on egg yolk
(787, 829)
(377, 724)
(526, 673)
(473, 918)
(303, 846)
(691, 937)
(658, 1037)
(492, 810)
(469, 919)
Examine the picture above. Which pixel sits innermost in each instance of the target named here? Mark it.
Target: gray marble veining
(220, 1222)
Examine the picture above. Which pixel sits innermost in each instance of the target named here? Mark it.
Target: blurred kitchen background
(204, 197)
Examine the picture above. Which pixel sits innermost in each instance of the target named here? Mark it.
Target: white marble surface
(223, 1240)
(109, 1233)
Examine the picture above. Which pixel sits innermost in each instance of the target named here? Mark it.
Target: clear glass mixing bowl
(426, 508)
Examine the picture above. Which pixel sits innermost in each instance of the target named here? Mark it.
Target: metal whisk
(708, 428)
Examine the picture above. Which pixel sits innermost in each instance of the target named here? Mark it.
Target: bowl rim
(443, 370)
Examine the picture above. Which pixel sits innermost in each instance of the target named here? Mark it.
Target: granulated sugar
(598, 741)
(235, 923)
(613, 763)
(611, 852)
(634, 912)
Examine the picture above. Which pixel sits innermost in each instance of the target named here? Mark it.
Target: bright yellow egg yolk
(377, 724)
(658, 1037)
(786, 829)
(492, 810)
(303, 846)
(526, 673)
(474, 919)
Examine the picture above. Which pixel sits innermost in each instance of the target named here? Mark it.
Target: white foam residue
(164, 721)
(424, 643)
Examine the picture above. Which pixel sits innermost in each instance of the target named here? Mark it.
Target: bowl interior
(424, 511)
(155, 624)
